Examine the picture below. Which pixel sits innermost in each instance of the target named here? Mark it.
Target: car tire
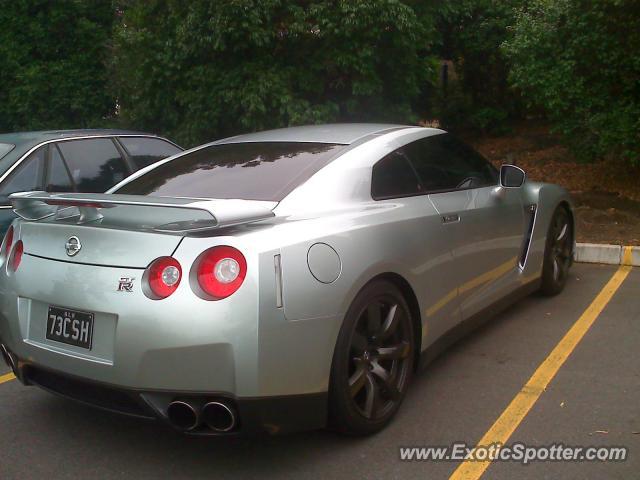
(557, 253)
(373, 361)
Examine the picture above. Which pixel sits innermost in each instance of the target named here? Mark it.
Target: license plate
(70, 327)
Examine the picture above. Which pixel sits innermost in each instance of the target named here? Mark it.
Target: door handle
(451, 218)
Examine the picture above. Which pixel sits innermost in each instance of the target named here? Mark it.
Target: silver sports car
(282, 280)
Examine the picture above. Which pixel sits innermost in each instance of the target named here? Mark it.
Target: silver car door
(485, 226)
(488, 232)
(423, 248)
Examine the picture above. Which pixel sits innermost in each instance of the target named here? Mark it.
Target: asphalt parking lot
(591, 401)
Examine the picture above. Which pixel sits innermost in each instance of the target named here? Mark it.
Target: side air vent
(530, 220)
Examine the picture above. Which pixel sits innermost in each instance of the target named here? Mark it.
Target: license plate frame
(71, 327)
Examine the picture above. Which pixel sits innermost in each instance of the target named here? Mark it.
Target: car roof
(36, 137)
(342, 133)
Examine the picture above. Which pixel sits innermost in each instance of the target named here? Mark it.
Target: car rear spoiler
(194, 214)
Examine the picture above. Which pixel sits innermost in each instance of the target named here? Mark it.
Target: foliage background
(202, 69)
(53, 64)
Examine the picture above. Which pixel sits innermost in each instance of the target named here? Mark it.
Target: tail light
(220, 271)
(7, 242)
(161, 278)
(16, 255)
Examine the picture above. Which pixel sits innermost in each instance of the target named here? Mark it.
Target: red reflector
(221, 271)
(16, 256)
(162, 278)
(6, 244)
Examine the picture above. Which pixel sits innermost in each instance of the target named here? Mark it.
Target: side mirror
(511, 176)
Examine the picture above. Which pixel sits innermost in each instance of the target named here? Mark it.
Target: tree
(199, 70)
(54, 63)
(580, 61)
(470, 33)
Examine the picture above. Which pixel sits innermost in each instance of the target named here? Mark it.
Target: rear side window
(250, 171)
(145, 151)
(393, 176)
(58, 179)
(28, 175)
(444, 163)
(95, 164)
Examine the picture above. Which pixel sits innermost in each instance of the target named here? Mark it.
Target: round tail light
(7, 242)
(220, 271)
(16, 255)
(161, 278)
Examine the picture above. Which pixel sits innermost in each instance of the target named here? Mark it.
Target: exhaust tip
(182, 415)
(218, 416)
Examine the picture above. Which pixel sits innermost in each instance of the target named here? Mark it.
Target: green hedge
(53, 64)
(198, 70)
(580, 61)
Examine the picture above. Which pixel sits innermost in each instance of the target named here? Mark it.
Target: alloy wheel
(561, 247)
(380, 358)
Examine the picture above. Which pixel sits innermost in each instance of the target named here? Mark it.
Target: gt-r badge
(73, 246)
(125, 284)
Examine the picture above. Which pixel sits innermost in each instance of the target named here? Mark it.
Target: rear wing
(162, 214)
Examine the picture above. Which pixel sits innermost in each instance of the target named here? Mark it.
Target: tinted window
(28, 175)
(58, 179)
(145, 151)
(393, 176)
(95, 164)
(444, 163)
(251, 171)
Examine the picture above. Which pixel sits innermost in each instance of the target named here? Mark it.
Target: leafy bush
(580, 61)
(470, 33)
(197, 70)
(53, 57)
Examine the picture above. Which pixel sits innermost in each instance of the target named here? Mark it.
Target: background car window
(250, 171)
(95, 164)
(393, 176)
(145, 151)
(28, 175)
(444, 163)
(58, 179)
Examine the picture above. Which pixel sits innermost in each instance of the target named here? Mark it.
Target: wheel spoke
(373, 319)
(385, 378)
(394, 352)
(563, 232)
(357, 380)
(390, 322)
(373, 396)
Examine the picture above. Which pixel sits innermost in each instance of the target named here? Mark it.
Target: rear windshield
(5, 148)
(250, 171)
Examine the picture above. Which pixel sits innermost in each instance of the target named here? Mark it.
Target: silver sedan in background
(275, 281)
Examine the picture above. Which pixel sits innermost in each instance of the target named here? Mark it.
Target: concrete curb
(607, 254)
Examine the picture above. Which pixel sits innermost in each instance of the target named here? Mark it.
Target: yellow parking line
(7, 377)
(509, 420)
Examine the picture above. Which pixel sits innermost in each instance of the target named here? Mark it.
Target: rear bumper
(259, 415)
(243, 346)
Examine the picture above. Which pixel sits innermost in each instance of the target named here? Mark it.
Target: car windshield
(250, 171)
(5, 148)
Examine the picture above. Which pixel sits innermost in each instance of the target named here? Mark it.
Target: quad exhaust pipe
(218, 417)
(183, 415)
(188, 415)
